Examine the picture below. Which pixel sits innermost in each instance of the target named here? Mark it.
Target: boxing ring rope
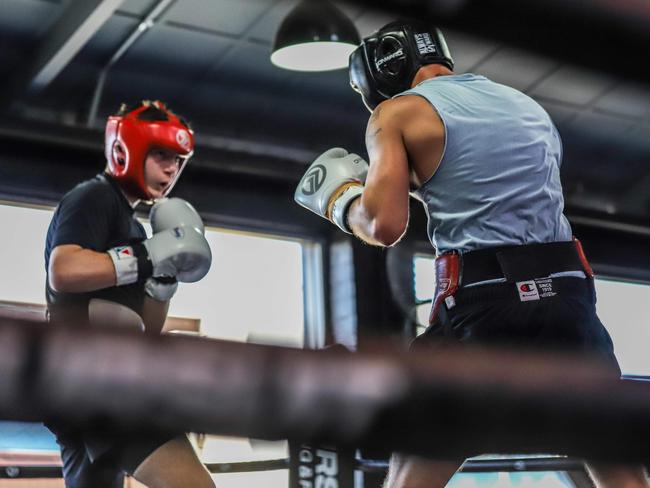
(366, 465)
(443, 404)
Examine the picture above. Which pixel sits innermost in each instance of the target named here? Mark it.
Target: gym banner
(320, 467)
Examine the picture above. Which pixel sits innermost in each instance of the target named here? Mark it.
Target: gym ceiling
(66, 65)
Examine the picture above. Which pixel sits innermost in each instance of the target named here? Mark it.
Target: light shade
(315, 36)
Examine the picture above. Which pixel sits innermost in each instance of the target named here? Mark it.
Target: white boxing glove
(332, 182)
(181, 252)
(168, 213)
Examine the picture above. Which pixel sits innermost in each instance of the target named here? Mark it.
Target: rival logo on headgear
(183, 139)
(425, 44)
(313, 180)
(382, 61)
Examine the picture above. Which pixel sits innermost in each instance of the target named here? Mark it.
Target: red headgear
(137, 132)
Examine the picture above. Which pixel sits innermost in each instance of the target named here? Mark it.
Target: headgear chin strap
(386, 62)
(137, 132)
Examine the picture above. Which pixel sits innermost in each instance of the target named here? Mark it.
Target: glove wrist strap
(339, 206)
(161, 288)
(145, 266)
(131, 263)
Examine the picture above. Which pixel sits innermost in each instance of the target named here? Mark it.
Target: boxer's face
(160, 169)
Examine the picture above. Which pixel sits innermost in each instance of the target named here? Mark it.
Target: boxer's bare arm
(423, 133)
(380, 216)
(74, 269)
(405, 142)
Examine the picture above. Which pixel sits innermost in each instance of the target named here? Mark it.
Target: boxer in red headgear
(130, 138)
(103, 270)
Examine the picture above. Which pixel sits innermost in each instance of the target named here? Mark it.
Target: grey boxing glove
(331, 183)
(181, 252)
(161, 288)
(168, 213)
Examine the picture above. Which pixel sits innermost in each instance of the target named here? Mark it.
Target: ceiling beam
(214, 152)
(78, 23)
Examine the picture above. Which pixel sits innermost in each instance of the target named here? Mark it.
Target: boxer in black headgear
(387, 61)
(484, 159)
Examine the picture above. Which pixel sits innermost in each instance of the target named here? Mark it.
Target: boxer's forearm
(73, 269)
(362, 224)
(378, 227)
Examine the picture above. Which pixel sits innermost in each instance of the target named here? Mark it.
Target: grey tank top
(498, 182)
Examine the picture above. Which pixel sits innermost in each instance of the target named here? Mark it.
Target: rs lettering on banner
(320, 467)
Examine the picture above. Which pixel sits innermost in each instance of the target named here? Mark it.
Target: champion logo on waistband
(535, 289)
(527, 290)
(545, 287)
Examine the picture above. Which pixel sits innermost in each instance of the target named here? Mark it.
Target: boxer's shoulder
(97, 190)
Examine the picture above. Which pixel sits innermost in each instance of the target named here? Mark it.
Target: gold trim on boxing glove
(337, 193)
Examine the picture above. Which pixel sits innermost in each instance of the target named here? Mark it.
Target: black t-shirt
(97, 216)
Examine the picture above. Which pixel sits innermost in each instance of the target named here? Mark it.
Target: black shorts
(564, 320)
(95, 459)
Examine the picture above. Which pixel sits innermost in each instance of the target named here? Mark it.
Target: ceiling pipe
(146, 24)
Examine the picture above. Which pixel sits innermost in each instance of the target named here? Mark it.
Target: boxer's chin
(157, 191)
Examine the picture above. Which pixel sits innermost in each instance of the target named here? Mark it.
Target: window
(624, 308)
(21, 253)
(425, 282)
(253, 292)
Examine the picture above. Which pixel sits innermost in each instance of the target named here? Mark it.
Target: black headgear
(386, 62)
